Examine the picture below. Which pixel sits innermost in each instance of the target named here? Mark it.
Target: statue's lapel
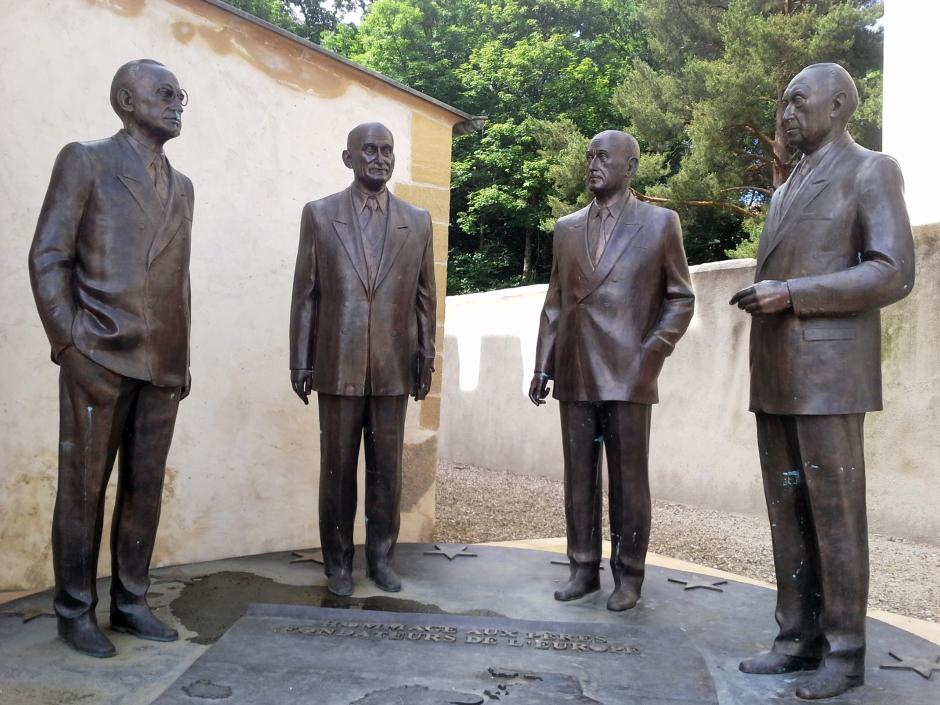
(770, 235)
(136, 180)
(625, 229)
(579, 232)
(397, 231)
(805, 199)
(172, 213)
(346, 226)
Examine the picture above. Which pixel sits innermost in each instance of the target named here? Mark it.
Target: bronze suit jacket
(109, 263)
(845, 247)
(343, 327)
(605, 332)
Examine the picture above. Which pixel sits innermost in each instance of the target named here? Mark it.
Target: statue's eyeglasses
(168, 95)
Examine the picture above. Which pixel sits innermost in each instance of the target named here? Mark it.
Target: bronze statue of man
(363, 317)
(109, 266)
(836, 247)
(618, 301)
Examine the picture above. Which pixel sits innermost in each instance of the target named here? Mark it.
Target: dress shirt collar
(361, 197)
(615, 204)
(811, 161)
(145, 153)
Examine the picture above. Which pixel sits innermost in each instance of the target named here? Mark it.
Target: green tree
(529, 66)
(417, 42)
(536, 68)
(306, 18)
(502, 188)
(697, 81)
(708, 100)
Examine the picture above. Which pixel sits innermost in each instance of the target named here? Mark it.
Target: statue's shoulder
(573, 220)
(411, 211)
(328, 205)
(82, 160)
(873, 158)
(653, 214)
(866, 168)
(94, 151)
(858, 163)
(876, 173)
(99, 147)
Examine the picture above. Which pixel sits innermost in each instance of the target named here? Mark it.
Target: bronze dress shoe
(83, 635)
(826, 683)
(385, 578)
(586, 579)
(622, 598)
(340, 583)
(772, 664)
(142, 623)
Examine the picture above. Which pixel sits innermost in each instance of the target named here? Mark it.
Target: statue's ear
(125, 100)
(839, 101)
(347, 159)
(633, 163)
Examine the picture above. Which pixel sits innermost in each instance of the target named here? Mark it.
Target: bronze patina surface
(363, 318)
(109, 266)
(618, 301)
(836, 247)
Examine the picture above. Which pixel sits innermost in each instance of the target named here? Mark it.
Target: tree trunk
(781, 165)
(527, 255)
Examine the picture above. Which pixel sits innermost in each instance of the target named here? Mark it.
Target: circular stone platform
(683, 640)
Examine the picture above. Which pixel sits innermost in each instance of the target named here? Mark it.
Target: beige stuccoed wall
(703, 448)
(262, 135)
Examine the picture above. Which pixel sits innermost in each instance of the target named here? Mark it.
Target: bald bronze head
(818, 104)
(611, 162)
(370, 153)
(147, 97)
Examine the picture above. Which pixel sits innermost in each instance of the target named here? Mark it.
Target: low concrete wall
(703, 447)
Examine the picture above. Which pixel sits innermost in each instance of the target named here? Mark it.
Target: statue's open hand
(302, 382)
(763, 298)
(538, 389)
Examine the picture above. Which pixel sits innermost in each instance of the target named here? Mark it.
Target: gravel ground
(475, 505)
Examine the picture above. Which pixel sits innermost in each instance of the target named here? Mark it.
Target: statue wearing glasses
(109, 266)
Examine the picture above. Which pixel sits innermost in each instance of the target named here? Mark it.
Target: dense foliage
(697, 81)
(305, 18)
(708, 101)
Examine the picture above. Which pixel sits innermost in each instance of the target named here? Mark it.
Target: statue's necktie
(160, 181)
(372, 234)
(606, 226)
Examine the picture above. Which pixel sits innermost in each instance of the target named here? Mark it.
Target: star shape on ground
(922, 666)
(307, 557)
(172, 578)
(567, 563)
(696, 582)
(29, 613)
(451, 551)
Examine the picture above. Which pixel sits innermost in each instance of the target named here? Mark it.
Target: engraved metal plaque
(280, 654)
